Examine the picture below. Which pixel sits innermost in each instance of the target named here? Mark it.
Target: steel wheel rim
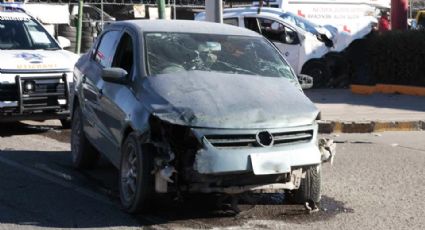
(128, 175)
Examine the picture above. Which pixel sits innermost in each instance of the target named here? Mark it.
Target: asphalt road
(376, 182)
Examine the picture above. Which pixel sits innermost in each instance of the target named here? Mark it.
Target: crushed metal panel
(193, 98)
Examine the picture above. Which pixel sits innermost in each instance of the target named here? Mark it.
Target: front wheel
(136, 179)
(310, 187)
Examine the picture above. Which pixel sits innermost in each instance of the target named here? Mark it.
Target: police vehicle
(35, 71)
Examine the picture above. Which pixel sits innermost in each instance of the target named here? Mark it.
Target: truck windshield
(300, 22)
(19, 31)
(173, 52)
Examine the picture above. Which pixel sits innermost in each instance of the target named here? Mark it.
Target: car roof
(185, 26)
(271, 10)
(246, 10)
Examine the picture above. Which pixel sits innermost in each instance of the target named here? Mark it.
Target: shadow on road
(41, 188)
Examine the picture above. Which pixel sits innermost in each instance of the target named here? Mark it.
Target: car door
(118, 99)
(92, 82)
(285, 38)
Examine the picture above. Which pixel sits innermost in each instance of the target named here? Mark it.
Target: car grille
(250, 140)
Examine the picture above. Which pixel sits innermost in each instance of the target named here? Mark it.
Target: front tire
(135, 179)
(84, 155)
(310, 187)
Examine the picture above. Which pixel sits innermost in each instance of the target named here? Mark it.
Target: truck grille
(250, 140)
(43, 94)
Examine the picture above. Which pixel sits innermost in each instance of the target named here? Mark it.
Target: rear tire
(310, 187)
(84, 155)
(136, 182)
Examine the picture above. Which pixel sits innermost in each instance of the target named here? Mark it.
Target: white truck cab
(303, 43)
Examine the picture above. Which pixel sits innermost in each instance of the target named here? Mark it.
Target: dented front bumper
(238, 151)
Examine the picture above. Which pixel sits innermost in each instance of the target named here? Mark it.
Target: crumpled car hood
(217, 100)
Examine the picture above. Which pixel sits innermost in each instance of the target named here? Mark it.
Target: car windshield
(18, 31)
(300, 22)
(173, 52)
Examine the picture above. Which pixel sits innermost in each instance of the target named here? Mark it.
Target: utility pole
(399, 14)
(214, 10)
(161, 8)
(79, 26)
(175, 10)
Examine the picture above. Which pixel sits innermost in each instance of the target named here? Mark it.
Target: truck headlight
(29, 86)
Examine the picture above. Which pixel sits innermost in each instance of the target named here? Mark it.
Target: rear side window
(231, 21)
(106, 49)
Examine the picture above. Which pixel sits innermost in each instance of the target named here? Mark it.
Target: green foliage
(397, 57)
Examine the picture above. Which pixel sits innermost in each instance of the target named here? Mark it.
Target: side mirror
(306, 81)
(64, 42)
(290, 38)
(115, 75)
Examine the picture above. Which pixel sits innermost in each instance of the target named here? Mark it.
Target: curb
(388, 89)
(369, 126)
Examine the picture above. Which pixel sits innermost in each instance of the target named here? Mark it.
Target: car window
(124, 55)
(245, 55)
(252, 24)
(19, 31)
(231, 21)
(105, 51)
(300, 22)
(276, 31)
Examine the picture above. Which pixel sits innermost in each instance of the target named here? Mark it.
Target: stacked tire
(89, 33)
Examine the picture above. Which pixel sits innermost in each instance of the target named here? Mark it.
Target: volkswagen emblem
(264, 138)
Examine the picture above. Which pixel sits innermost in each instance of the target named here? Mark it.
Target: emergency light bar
(11, 7)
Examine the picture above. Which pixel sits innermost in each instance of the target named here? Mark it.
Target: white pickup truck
(35, 72)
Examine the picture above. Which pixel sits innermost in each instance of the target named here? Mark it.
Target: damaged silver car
(194, 107)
